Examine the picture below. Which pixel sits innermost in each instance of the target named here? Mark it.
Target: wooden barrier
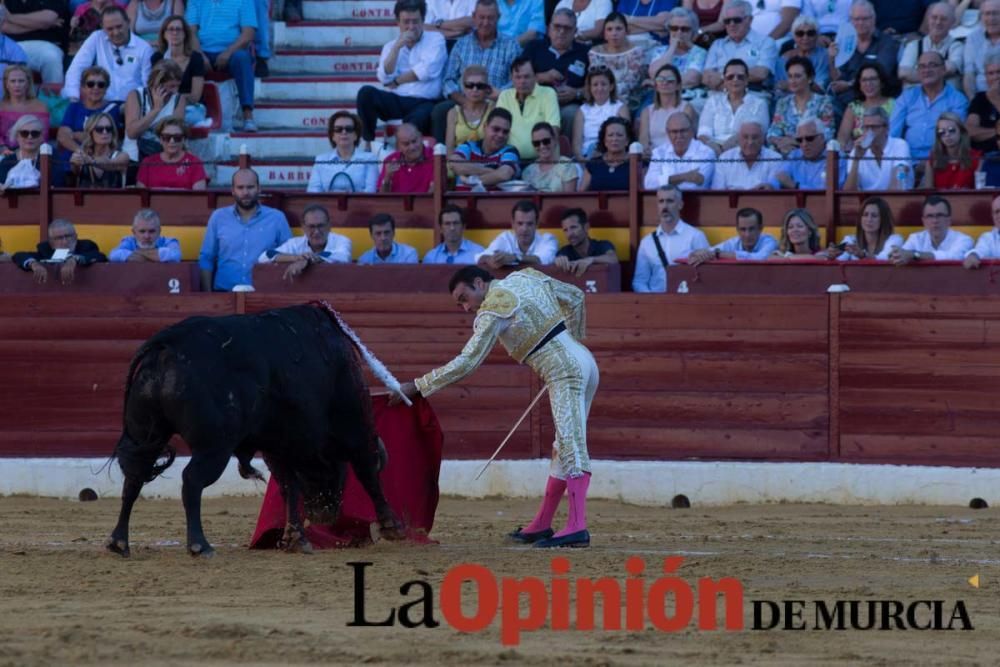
(144, 279)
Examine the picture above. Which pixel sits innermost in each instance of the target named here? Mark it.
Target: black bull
(286, 383)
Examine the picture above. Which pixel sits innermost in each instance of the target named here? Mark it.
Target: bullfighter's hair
(378, 368)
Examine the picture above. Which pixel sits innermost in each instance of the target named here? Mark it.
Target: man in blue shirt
(146, 244)
(915, 115)
(11, 52)
(238, 234)
(750, 243)
(576, 256)
(455, 249)
(382, 228)
(806, 165)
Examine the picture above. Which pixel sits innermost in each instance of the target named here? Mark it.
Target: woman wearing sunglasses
(666, 102)
(93, 87)
(19, 168)
(953, 162)
(465, 121)
(99, 163)
(19, 100)
(682, 52)
(805, 33)
(174, 168)
(550, 172)
(346, 168)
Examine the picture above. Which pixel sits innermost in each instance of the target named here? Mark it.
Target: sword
(526, 411)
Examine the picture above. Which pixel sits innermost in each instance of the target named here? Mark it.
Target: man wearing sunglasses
(561, 63)
(409, 70)
(806, 166)
(123, 54)
(759, 52)
(939, 19)
(62, 236)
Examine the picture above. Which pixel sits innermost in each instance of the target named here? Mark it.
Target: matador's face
(470, 297)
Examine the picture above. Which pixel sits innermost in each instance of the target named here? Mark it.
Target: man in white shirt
(880, 165)
(523, 244)
(938, 241)
(750, 243)
(114, 47)
(939, 19)
(317, 245)
(410, 70)
(452, 18)
(988, 245)
(673, 240)
(683, 161)
(748, 166)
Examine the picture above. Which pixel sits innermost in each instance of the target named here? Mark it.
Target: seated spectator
(799, 237)
(19, 169)
(451, 18)
(939, 19)
(609, 171)
(411, 168)
(489, 161)
(683, 161)
(806, 45)
(625, 60)
(19, 100)
(551, 172)
(725, 112)
(953, 162)
(749, 166)
(918, 107)
(750, 242)
(988, 244)
(39, 27)
(174, 168)
(522, 244)
(225, 30)
(126, 57)
(871, 90)
(346, 168)
(11, 52)
(938, 241)
(146, 244)
(874, 236)
(647, 18)
(979, 45)
(147, 17)
(589, 16)
(673, 240)
(801, 102)
(581, 251)
(176, 43)
(873, 46)
(99, 163)
(758, 53)
(62, 236)
(236, 236)
(147, 107)
(483, 46)
(774, 18)
(829, 15)
(528, 104)
(879, 162)
(806, 165)
(560, 62)
(984, 110)
(409, 70)
(466, 120)
(686, 56)
(523, 20)
(666, 102)
(454, 247)
(600, 103)
(93, 86)
(709, 13)
(86, 21)
(317, 245)
(382, 228)
(900, 18)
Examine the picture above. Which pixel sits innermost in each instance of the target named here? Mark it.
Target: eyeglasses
(29, 134)
(103, 129)
(947, 131)
(95, 83)
(679, 28)
(805, 33)
(735, 20)
(807, 138)
(118, 56)
(541, 142)
(563, 27)
(477, 85)
(736, 77)
(666, 79)
(598, 68)
(343, 129)
(172, 138)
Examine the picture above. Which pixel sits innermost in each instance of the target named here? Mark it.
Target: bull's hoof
(249, 472)
(294, 541)
(392, 530)
(201, 550)
(119, 547)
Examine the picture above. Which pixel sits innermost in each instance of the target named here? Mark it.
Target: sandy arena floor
(65, 601)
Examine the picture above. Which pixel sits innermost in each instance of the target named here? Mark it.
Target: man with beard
(672, 240)
(576, 256)
(146, 244)
(238, 234)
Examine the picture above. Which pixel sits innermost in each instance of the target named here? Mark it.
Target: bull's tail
(378, 368)
(141, 458)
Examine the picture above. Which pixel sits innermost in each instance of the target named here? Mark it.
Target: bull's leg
(205, 468)
(118, 542)
(294, 537)
(366, 471)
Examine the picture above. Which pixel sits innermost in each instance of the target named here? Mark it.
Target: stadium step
(334, 34)
(288, 172)
(311, 88)
(302, 115)
(264, 145)
(348, 10)
(325, 61)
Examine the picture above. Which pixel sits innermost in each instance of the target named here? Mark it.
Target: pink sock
(576, 487)
(554, 490)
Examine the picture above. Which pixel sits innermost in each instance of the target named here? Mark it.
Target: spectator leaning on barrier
(799, 237)
(62, 236)
(528, 104)
(455, 248)
(124, 55)
(146, 244)
(386, 250)
(11, 52)
(560, 62)
(581, 251)
(672, 240)
(750, 242)
(317, 245)
(411, 168)
(410, 70)
(40, 28)
(938, 241)
(749, 166)
(988, 244)
(522, 244)
(236, 236)
(490, 161)
(683, 161)
(874, 236)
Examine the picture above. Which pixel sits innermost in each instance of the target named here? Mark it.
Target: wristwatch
(437, 24)
(916, 255)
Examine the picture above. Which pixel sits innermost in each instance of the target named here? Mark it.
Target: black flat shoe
(578, 540)
(530, 538)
